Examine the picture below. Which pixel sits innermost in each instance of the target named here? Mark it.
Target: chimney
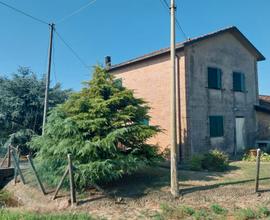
(108, 62)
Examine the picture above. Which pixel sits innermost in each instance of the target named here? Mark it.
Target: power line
(167, 6)
(24, 13)
(72, 50)
(76, 11)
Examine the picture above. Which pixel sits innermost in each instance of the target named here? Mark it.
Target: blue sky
(122, 29)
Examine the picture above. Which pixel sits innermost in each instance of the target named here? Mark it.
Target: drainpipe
(180, 153)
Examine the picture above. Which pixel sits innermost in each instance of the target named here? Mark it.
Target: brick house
(217, 89)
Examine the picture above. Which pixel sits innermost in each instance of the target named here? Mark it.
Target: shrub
(251, 158)
(214, 160)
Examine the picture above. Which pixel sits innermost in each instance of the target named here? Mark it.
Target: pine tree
(103, 127)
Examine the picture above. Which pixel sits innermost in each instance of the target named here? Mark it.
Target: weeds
(215, 212)
(6, 199)
(13, 215)
(217, 209)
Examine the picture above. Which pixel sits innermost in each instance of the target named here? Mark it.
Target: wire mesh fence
(9, 159)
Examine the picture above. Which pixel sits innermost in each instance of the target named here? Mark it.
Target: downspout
(180, 155)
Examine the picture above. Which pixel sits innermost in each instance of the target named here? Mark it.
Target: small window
(239, 82)
(216, 126)
(118, 82)
(214, 78)
(145, 122)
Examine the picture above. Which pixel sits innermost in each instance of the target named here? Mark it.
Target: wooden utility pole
(71, 181)
(174, 176)
(48, 78)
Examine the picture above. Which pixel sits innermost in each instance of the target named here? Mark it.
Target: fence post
(35, 172)
(9, 157)
(60, 183)
(17, 166)
(71, 181)
(15, 169)
(258, 160)
(3, 162)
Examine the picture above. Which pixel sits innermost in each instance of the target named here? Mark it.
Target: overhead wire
(167, 7)
(72, 50)
(23, 13)
(76, 11)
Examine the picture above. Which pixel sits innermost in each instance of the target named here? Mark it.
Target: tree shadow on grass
(151, 179)
(213, 186)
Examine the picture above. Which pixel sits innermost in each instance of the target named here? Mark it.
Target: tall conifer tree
(104, 128)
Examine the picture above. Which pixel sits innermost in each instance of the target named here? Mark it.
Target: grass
(216, 212)
(6, 199)
(16, 215)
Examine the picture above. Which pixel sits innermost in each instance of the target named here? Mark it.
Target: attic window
(214, 78)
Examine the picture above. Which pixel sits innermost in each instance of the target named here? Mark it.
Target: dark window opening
(216, 126)
(214, 78)
(239, 82)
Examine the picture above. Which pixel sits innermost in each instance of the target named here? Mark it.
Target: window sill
(215, 89)
(239, 91)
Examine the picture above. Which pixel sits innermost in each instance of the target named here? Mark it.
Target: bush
(214, 160)
(265, 157)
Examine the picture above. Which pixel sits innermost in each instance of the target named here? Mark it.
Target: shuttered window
(239, 82)
(145, 122)
(216, 126)
(118, 82)
(214, 78)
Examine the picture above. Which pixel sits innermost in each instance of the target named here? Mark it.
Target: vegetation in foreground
(103, 127)
(215, 212)
(6, 199)
(15, 215)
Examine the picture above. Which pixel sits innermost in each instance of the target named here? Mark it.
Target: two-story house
(217, 89)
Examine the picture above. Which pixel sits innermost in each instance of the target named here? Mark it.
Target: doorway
(240, 134)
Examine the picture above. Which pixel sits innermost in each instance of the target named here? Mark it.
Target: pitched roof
(264, 104)
(179, 46)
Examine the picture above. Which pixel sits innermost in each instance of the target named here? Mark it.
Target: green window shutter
(238, 82)
(243, 83)
(216, 126)
(219, 77)
(118, 82)
(145, 122)
(214, 78)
